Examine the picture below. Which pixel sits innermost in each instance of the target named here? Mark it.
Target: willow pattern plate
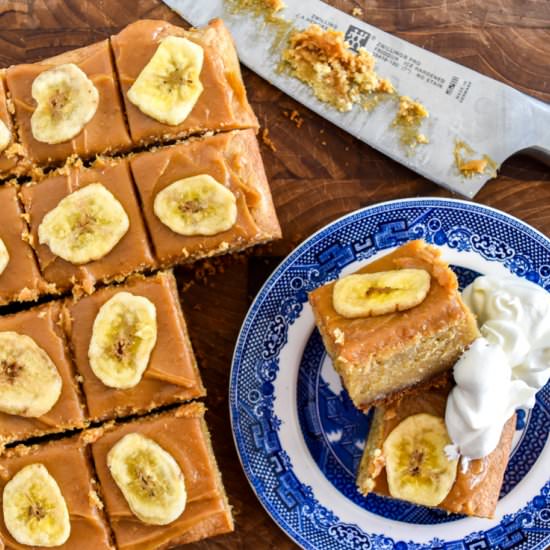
(300, 439)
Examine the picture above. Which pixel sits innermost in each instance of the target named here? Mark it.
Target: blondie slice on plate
(400, 326)
(405, 457)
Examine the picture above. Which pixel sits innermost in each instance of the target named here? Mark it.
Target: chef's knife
(492, 118)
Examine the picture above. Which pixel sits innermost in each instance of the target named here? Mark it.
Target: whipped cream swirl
(503, 369)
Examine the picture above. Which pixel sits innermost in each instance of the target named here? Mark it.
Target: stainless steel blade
(491, 117)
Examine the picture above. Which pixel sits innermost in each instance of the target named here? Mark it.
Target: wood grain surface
(318, 172)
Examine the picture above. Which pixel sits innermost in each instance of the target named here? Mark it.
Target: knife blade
(493, 118)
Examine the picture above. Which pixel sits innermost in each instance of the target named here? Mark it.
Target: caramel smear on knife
(470, 166)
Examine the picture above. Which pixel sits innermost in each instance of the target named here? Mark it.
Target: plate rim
(271, 279)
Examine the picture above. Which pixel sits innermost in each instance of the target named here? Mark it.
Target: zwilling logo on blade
(452, 85)
(356, 38)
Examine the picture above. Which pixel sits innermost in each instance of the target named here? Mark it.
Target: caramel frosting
(132, 252)
(42, 325)
(384, 333)
(171, 374)
(20, 280)
(183, 434)
(475, 490)
(223, 104)
(233, 160)
(67, 462)
(105, 132)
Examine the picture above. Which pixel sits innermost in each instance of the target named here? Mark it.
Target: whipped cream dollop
(502, 370)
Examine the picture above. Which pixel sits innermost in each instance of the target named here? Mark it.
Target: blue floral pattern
(462, 227)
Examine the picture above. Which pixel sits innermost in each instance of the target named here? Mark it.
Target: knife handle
(541, 147)
(540, 153)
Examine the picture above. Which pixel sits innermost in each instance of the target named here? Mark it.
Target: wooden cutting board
(317, 172)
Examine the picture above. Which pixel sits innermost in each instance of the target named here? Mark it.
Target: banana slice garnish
(198, 205)
(66, 101)
(123, 337)
(5, 136)
(149, 478)
(169, 85)
(417, 467)
(4, 256)
(371, 294)
(35, 512)
(30, 383)
(85, 225)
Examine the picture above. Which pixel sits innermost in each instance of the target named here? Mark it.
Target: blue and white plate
(299, 437)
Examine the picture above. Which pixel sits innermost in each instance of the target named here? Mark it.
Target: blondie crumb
(267, 7)
(27, 295)
(339, 337)
(296, 118)
(274, 5)
(410, 112)
(409, 117)
(268, 142)
(94, 500)
(14, 150)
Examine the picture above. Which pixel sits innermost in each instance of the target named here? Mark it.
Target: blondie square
(222, 105)
(475, 490)
(68, 463)
(380, 356)
(129, 254)
(233, 160)
(20, 279)
(42, 325)
(184, 436)
(104, 132)
(12, 155)
(171, 374)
